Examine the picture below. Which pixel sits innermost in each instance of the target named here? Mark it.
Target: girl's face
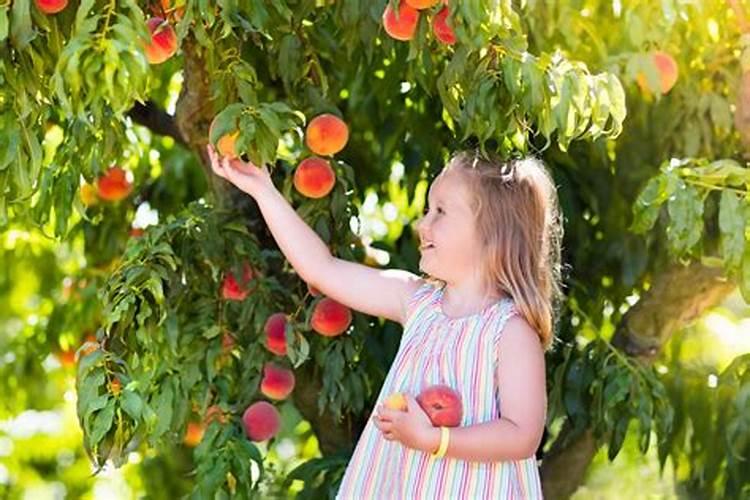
(449, 242)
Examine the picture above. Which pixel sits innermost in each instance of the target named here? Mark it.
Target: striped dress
(459, 352)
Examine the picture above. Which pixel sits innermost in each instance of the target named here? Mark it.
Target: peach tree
(189, 331)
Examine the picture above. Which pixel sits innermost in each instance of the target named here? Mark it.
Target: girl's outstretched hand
(246, 176)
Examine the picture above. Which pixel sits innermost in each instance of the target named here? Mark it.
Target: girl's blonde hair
(519, 224)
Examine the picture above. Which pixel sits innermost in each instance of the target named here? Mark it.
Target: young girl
(478, 323)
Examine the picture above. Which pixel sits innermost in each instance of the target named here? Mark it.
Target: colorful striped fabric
(459, 352)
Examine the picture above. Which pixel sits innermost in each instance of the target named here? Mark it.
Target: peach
(136, 232)
(278, 382)
(314, 177)
(422, 4)
(114, 185)
(402, 26)
(232, 290)
(88, 194)
(668, 71)
(442, 404)
(193, 434)
(67, 358)
(326, 134)
(225, 145)
(51, 6)
(163, 43)
(330, 318)
(441, 28)
(261, 421)
(274, 329)
(396, 401)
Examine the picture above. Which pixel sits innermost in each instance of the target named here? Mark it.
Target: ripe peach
(67, 358)
(668, 71)
(330, 318)
(422, 4)
(261, 421)
(225, 145)
(278, 382)
(51, 6)
(403, 26)
(232, 290)
(314, 177)
(326, 134)
(193, 434)
(88, 194)
(396, 401)
(114, 185)
(163, 43)
(274, 330)
(440, 27)
(442, 404)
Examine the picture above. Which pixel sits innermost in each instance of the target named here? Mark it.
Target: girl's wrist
(432, 440)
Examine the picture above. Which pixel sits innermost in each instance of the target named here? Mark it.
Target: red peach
(442, 404)
(274, 329)
(668, 71)
(314, 177)
(330, 318)
(232, 290)
(261, 421)
(163, 43)
(114, 185)
(277, 382)
(326, 134)
(51, 6)
(403, 26)
(193, 434)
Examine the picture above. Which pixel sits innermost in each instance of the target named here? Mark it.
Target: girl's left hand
(412, 428)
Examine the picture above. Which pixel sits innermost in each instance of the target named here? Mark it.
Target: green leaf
(732, 227)
(132, 403)
(685, 209)
(102, 422)
(618, 436)
(4, 22)
(21, 32)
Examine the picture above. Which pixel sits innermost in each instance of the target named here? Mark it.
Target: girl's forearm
(302, 246)
(494, 441)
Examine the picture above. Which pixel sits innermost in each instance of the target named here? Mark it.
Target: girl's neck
(467, 298)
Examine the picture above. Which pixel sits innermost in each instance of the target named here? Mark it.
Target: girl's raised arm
(377, 292)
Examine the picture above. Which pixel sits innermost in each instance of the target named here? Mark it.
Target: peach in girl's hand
(396, 401)
(442, 404)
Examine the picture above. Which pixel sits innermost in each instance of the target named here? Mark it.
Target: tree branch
(157, 120)
(677, 297)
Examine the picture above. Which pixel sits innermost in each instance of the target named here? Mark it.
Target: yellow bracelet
(444, 437)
